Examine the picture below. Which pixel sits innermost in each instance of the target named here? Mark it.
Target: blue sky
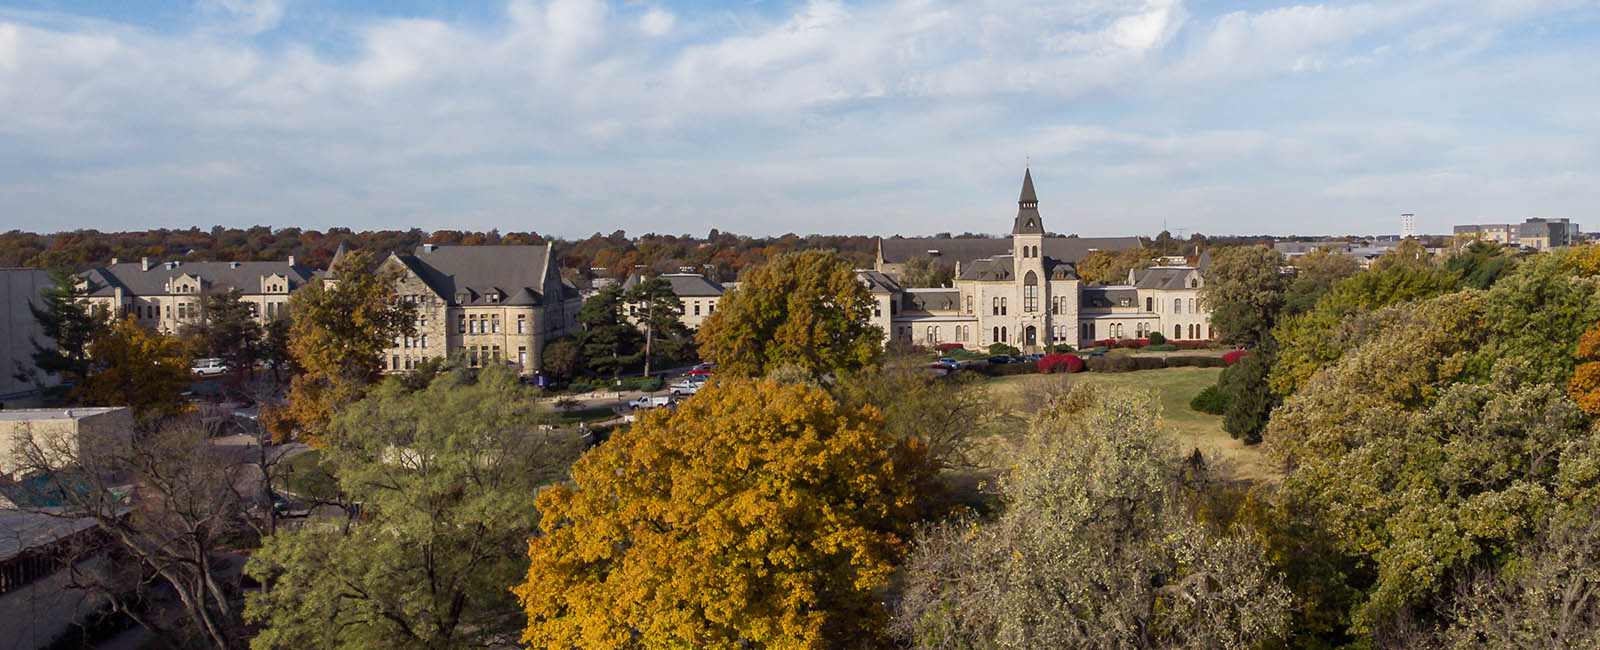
(570, 117)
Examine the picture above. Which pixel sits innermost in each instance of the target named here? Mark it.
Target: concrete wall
(18, 330)
(58, 431)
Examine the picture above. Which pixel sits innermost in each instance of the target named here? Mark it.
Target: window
(969, 303)
(697, 308)
(1177, 331)
(522, 323)
(994, 306)
(1147, 305)
(461, 324)
(424, 341)
(422, 320)
(1191, 306)
(1177, 305)
(522, 356)
(496, 320)
(1002, 306)
(928, 334)
(497, 354)
(472, 357)
(711, 308)
(1030, 292)
(1002, 334)
(996, 335)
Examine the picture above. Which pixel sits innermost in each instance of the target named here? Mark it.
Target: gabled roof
(931, 300)
(1165, 278)
(471, 275)
(1108, 297)
(244, 276)
(966, 250)
(684, 285)
(878, 282)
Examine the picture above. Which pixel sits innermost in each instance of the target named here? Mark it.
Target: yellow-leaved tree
(138, 368)
(1584, 387)
(758, 515)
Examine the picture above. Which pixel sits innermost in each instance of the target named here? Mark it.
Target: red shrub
(1122, 343)
(1052, 363)
(946, 347)
(1193, 344)
(1233, 356)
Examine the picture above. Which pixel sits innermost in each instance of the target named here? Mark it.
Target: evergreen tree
(658, 311)
(67, 320)
(608, 341)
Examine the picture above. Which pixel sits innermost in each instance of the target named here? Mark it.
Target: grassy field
(1174, 387)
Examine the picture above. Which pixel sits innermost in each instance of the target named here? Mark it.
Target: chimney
(291, 260)
(144, 264)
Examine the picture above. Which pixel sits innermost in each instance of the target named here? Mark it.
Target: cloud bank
(912, 116)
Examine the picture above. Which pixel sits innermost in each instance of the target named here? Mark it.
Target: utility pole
(649, 333)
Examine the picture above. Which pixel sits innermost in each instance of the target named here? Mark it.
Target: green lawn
(305, 476)
(596, 414)
(1174, 387)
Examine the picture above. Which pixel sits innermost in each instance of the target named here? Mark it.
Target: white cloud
(915, 111)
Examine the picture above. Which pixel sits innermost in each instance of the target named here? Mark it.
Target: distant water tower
(1408, 225)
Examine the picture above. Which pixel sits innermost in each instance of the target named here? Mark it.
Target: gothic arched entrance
(1030, 336)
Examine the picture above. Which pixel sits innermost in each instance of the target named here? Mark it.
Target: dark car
(999, 359)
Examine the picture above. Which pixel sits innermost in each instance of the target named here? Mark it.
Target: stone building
(167, 295)
(492, 304)
(20, 381)
(699, 294)
(1024, 290)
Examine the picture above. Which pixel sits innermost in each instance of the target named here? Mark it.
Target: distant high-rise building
(1408, 225)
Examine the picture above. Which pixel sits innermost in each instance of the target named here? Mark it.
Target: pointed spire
(1028, 221)
(1027, 188)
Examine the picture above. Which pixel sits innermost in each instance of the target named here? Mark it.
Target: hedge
(946, 347)
(1210, 400)
(1161, 347)
(1115, 364)
(1008, 369)
(1195, 361)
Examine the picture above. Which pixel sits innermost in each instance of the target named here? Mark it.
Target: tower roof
(1028, 221)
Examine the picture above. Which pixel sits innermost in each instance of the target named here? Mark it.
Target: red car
(700, 370)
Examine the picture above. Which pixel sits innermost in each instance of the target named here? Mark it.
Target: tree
(658, 310)
(1244, 290)
(338, 334)
(1097, 547)
(805, 308)
(560, 358)
(443, 475)
(757, 515)
(229, 330)
(923, 271)
(167, 504)
(1480, 264)
(142, 369)
(1107, 266)
(608, 341)
(70, 323)
(1325, 267)
(1584, 387)
(1249, 399)
(944, 415)
(1549, 600)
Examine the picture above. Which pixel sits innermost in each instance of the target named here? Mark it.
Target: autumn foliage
(1584, 387)
(1053, 363)
(1233, 356)
(758, 515)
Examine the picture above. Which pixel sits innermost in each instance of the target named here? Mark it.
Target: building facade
(698, 293)
(165, 296)
(490, 304)
(1025, 290)
(1537, 234)
(21, 382)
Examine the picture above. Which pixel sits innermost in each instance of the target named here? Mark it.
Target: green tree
(1249, 399)
(758, 515)
(608, 340)
(658, 310)
(924, 271)
(1097, 547)
(945, 415)
(561, 358)
(805, 308)
(444, 476)
(337, 337)
(1106, 266)
(1244, 290)
(71, 325)
(144, 370)
(1480, 264)
(229, 330)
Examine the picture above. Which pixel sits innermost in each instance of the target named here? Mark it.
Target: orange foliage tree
(757, 515)
(1584, 387)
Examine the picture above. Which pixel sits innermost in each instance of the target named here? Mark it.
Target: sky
(570, 117)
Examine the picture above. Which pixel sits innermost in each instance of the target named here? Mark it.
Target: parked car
(999, 359)
(950, 361)
(650, 402)
(685, 387)
(701, 370)
(940, 365)
(208, 367)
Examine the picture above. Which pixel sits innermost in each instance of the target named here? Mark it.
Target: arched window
(1177, 331)
(1210, 333)
(1030, 292)
(1002, 306)
(1002, 335)
(994, 306)
(1177, 305)
(969, 303)
(996, 335)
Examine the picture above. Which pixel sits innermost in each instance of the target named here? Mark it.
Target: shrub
(1211, 400)
(1233, 356)
(1113, 364)
(946, 347)
(1098, 348)
(1053, 363)
(1196, 361)
(1148, 363)
(1199, 344)
(1122, 343)
(1157, 338)
(1001, 348)
(1058, 348)
(1008, 369)
(1161, 347)
(579, 387)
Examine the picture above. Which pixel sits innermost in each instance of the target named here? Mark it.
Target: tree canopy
(758, 515)
(807, 309)
(140, 368)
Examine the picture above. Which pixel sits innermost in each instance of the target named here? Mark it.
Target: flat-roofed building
(20, 381)
(59, 432)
